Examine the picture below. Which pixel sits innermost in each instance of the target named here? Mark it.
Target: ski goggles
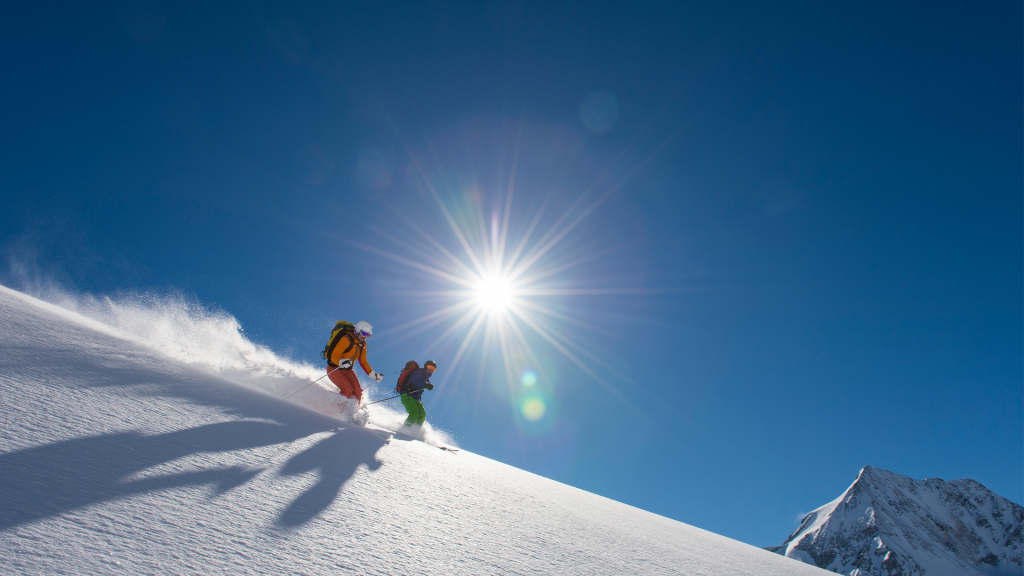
(365, 334)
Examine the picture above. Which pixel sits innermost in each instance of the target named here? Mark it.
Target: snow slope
(886, 524)
(191, 333)
(117, 456)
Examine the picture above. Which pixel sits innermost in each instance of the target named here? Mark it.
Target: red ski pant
(347, 382)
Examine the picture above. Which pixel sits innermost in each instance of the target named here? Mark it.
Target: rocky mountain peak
(886, 524)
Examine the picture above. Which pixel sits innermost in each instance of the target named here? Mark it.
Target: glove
(377, 377)
(430, 386)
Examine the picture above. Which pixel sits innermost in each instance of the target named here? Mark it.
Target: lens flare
(528, 378)
(533, 408)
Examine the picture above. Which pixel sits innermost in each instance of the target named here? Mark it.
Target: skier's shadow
(336, 459)
(48, 480)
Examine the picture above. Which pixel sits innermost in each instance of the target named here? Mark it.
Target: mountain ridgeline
(886, 524)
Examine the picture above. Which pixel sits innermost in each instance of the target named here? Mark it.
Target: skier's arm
(363, 362)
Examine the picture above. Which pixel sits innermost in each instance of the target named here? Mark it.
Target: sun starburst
(502, 274)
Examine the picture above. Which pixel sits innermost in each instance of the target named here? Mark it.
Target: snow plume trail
(213, 340)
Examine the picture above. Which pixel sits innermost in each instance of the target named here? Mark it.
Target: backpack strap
(351, 343)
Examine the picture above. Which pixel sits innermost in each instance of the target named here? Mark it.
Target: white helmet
(363, 328)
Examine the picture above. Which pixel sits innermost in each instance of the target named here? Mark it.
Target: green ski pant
(417, 415)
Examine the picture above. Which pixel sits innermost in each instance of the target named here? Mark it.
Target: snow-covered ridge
(117, 459)
(886, 524)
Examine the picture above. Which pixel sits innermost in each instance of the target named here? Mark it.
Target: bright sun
(494, 293)
(501, 287)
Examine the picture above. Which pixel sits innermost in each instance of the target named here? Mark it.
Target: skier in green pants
(418, 381)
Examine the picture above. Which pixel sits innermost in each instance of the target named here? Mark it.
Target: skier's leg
(347, 382)
(339, 380)
(410, 407)
(421, 417)
(357, 389)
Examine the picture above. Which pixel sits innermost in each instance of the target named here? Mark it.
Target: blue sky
(801, 250)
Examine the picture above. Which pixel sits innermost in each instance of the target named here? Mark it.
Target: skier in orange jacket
(346, 347)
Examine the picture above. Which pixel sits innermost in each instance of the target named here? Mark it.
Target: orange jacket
(356, 351)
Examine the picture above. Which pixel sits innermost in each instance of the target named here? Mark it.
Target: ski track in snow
(118, 459)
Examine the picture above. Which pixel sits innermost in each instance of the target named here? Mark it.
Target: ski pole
(376, 401)
(402, 394)
(311, 383)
